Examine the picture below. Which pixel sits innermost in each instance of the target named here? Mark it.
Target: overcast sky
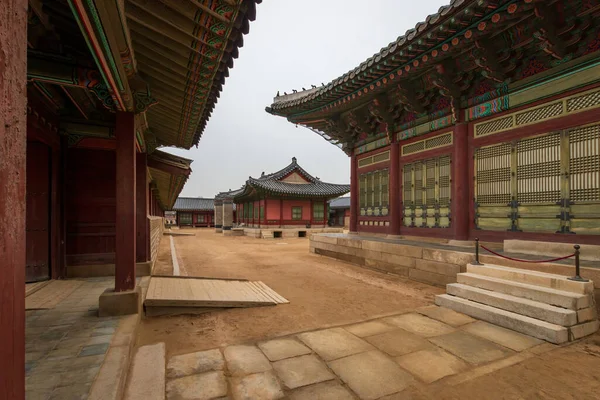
(291, 44)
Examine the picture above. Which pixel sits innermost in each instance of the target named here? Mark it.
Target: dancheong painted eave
(448, 69)
(293, 181)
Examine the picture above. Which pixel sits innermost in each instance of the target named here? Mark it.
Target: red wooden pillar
(13, 137)
(353, 194)
(125, 253)
(460, 182)
(325, 212)
(142, 244)
(265, 214)
(395, 196)
(281, 213)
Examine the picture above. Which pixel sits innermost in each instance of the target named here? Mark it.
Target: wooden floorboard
(51, 294)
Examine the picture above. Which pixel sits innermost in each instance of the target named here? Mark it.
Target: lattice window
(538, 169)
(185, 218)
(408, 197)
(418, 183)
(497, 125)
(583, 102)
(370, 180)
(493, 174)
(444, 181)
(430, 182)
(385, 195)
(296, 213)
(363, 162)
(318, 211)
(439, 141)
(584, 164)
(540, 114)
(413, 148)
(381, 157)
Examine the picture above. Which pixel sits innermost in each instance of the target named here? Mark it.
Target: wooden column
(265, 216)
(142, 243)
(64, 151)
(394, 187)
(353, 194)
(325, 212)
(125, 253)
(460, 182)
(13, 138)
(281, 213)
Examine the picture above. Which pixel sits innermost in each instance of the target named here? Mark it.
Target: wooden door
(38, 215)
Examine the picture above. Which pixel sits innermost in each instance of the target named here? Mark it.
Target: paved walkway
(369, 360)
(65, 346)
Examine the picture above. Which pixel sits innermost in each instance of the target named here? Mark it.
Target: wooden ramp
(49, 295)
(169, 295)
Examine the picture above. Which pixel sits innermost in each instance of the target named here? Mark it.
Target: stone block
(371, 375)
(470, 348)
(387, 267)
(340, 256)
(194, 363)
(398, 342)
(520, 323)
(244, 360)
(437, 267)
(227, 232)
(448, 256)
(147, 383)
(535, 309)
(551, 249)
(393, 248)
(205, 386)
(445, 315)
(113, 303)
(419, 325)
(502, 336)
(369, 328)
(262, 386)
(302, 371)
(543, 279)
(110, 382)
(583, 330)
(278, 349)
(334, 343)
(322, 391)
(558, 298)
(587, 314)
(431, 365)
(323, 239)
(430, 278)
(350, 242)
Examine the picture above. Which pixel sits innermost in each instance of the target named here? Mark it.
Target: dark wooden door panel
(38, 213)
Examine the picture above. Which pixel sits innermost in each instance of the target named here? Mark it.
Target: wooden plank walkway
(51, 294)
(201, 292)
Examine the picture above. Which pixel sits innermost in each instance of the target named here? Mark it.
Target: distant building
(170, 217)
(339, 212)
(288, 198)
(194, 212)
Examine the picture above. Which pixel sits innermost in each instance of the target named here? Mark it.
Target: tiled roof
(194, 204)
(340, 202)
(272, 183)
(395, 47)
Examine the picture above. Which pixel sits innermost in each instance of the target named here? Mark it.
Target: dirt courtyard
(322, 291)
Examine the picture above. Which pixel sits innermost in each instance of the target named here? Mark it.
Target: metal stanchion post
(577, 276)
(476, 262)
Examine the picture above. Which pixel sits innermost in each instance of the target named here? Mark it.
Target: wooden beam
(155, 163)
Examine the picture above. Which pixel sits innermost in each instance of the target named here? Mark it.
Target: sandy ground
(322, 291)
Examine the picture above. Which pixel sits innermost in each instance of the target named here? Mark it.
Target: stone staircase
(546, 306)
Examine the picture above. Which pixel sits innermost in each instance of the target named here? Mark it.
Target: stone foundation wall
(157, 226)
(432, 266)
(287, 232)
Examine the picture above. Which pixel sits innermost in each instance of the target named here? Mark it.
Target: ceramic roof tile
(194, 204)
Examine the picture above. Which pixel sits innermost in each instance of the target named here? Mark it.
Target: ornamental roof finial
(294, 159)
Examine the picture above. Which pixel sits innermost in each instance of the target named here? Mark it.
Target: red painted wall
(287, 209)
(273, 209)
(91, 206)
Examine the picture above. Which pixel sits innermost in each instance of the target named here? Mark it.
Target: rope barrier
(528, 261)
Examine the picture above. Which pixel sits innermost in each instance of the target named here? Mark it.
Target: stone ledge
(113, 303)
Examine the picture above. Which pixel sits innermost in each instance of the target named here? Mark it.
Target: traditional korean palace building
(339, 212)
(482, 121)
(88, 91)
(289, 199)
(194, 212)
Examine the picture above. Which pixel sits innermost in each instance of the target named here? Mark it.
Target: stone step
(147, 374)
(519, 323)
(559, 298)
(533, 278)
(534, 309)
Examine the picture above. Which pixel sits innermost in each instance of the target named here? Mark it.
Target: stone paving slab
(431, 364)
(334, 343)
(502, 336)
(244, 360)
(369, 328)
(263, 385)
(419, 324)
(278, 349)
(445, 315)
(398, 342)
(471, 348)
(204, 386)
(194, 363)
(322, 391)
(302, 371)
(371, 375)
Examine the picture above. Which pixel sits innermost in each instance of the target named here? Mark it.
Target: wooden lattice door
(37, 213)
